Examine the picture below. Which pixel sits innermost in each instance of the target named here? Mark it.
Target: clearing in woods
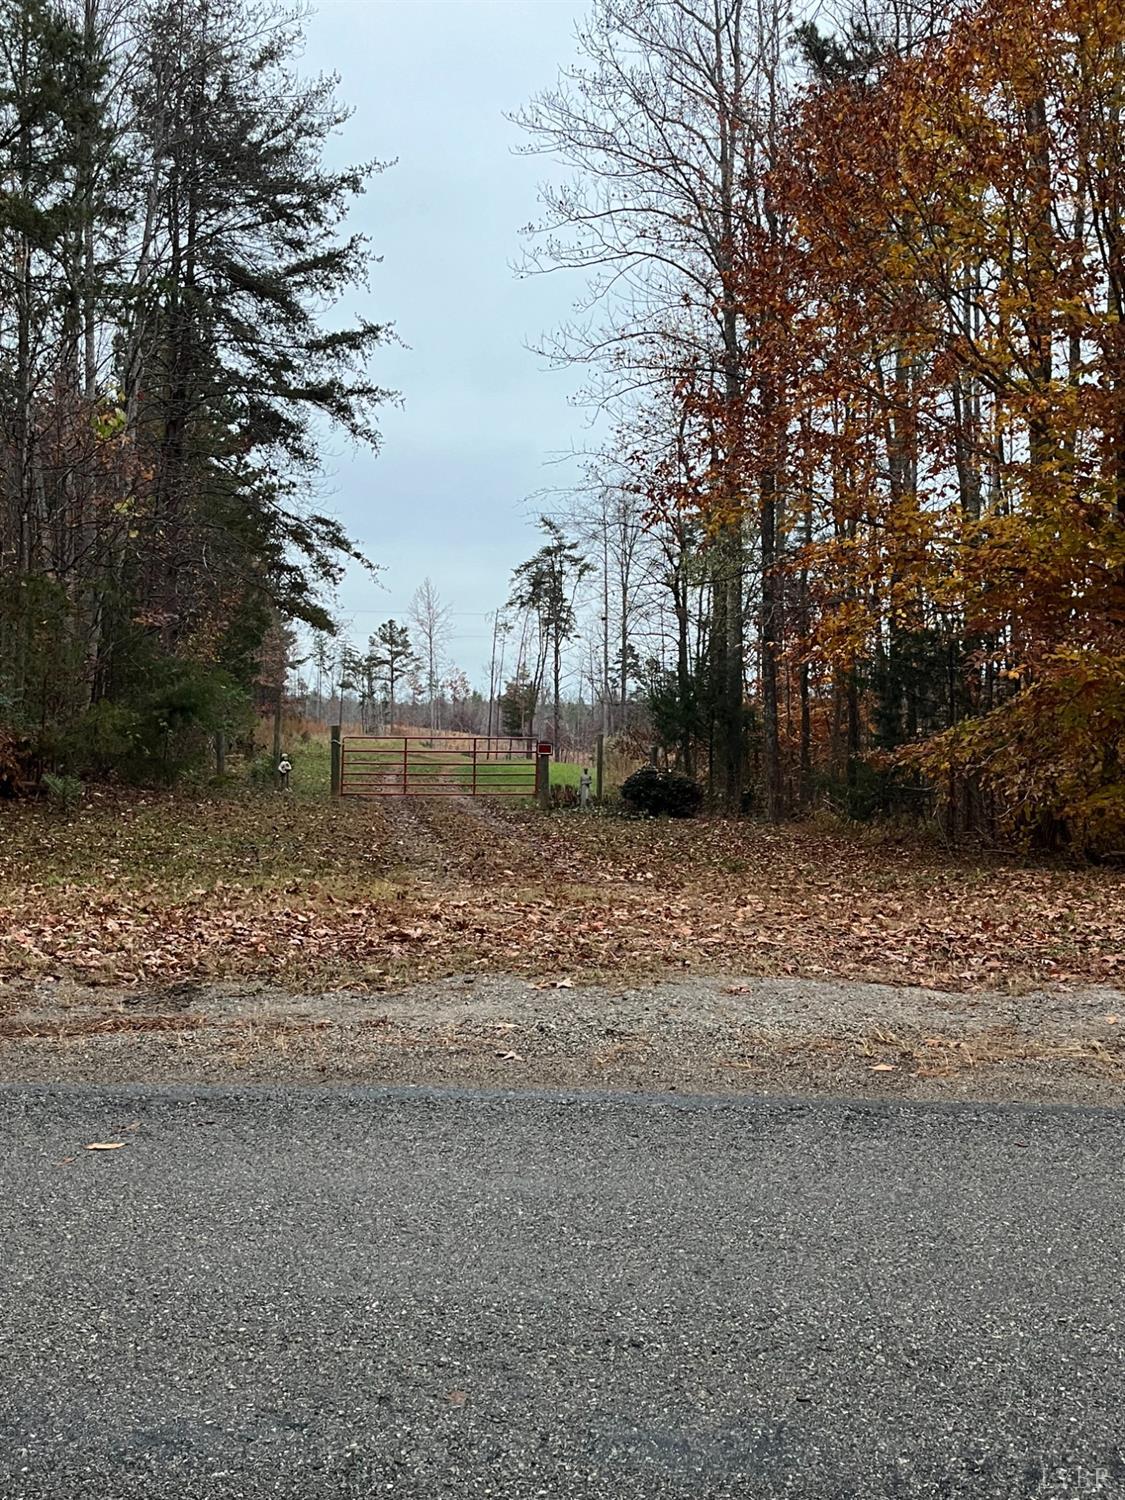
(125, 917)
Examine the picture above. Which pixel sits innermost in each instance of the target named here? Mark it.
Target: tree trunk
(557, 665)
(684, 690)
(770, 610)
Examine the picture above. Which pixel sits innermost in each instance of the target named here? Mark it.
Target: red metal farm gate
(436, 765)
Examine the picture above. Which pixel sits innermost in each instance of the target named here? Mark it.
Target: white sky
(482, 422)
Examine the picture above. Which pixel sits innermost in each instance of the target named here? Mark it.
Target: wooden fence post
(599, 770)
(334, 732)
(543, 775)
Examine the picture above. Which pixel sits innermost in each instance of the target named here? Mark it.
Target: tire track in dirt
(458, 836)
(410, 838)
(480, 841)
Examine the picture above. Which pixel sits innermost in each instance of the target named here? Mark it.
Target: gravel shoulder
(768, 1036)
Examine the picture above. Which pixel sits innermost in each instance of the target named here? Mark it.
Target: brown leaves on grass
(334, 900)
(180, 842)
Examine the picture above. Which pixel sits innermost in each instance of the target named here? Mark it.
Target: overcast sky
(482, 421)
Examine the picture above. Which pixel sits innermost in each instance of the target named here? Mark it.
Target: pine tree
(392, 655)
(545, 586)
(170, 239)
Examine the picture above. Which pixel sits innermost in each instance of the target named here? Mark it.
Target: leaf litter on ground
(157, 890)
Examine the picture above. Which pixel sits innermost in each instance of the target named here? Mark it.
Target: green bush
(873, 794)
(160, 736)
(63, 792)
(662, 793)
(263, 771)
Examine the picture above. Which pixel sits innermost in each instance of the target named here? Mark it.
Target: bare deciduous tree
(433, 622)
(669, 123)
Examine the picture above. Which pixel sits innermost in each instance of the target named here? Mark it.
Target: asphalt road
(316, 1294)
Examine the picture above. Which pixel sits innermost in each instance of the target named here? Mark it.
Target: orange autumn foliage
(956, 407)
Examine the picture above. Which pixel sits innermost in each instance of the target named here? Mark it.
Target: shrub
(662, 792)
(63, 792)
(1049, 759)
(162, 734)
(263, 770)
(19, 770)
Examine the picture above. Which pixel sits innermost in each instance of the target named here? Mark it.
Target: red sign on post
(544, 747)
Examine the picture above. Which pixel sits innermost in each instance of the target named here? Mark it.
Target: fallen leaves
(331, 900)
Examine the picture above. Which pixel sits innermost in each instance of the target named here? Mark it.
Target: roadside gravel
(718, 1036)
